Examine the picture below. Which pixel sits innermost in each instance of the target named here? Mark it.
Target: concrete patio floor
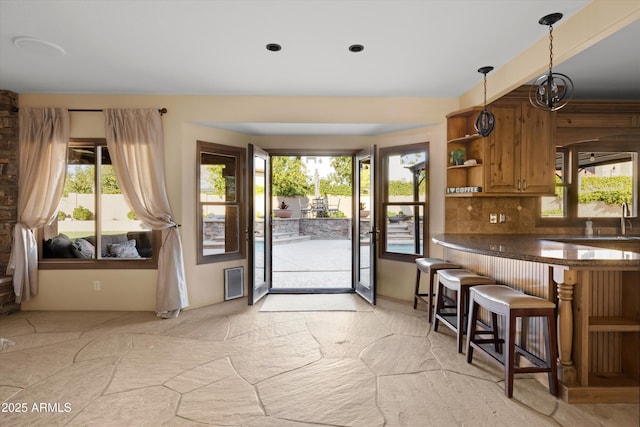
(231, 365)
(316, 264)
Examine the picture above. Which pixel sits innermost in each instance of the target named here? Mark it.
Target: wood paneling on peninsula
(597, 292)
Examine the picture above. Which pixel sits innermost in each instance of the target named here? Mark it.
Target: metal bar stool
(431, 267)
(453, 316)
(512, 304)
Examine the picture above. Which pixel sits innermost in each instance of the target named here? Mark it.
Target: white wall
(183, 126)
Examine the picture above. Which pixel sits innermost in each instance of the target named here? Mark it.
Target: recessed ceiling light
(39, 46)
(356, 48)
(274, 47)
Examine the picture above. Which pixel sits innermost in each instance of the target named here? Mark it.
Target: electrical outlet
(493, 218)
(96, 285)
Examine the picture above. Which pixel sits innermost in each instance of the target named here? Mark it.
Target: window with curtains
(220, 203)
(94, 227)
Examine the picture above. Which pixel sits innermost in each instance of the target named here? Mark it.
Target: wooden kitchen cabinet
(516, 159)
(519, 153)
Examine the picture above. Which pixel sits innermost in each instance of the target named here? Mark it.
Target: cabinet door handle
(524, 184)
(518, 185)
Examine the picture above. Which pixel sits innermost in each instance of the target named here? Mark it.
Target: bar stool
(459, 281)
(431, 267)
(512, 304)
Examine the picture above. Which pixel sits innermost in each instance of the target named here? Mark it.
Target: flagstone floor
(231, 365)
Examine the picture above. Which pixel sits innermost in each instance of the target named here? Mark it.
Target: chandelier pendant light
(551, 91)
(486, 120)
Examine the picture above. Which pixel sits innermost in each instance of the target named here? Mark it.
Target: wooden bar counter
(597, 293)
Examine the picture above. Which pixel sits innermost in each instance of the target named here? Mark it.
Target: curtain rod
(84, 110)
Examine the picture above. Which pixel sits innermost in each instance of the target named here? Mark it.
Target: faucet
(623, 214)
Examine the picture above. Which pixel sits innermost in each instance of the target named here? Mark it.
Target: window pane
(76, 212)
(406, 177)
(555, 206)
(605, 181)
(217, 177)
(404, 233)
(122, 234)
(220, 229)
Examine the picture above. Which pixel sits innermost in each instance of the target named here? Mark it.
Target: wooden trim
(240, 154)
(383, 201)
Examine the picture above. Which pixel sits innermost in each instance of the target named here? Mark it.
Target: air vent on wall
(233, 283)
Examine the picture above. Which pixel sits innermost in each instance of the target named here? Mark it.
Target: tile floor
(231, 365)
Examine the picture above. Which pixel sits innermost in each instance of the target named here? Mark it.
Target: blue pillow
(82, 248)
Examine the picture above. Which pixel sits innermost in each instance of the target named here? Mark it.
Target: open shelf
(466, 138)
(465, 166)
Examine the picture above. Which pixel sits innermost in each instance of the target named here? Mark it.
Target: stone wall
(8, 191)
(326, 228)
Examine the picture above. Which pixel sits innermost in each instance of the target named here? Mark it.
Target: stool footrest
(531, 357)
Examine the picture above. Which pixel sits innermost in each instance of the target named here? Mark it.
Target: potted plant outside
(283, 210)
(364, 213)
(457, 156)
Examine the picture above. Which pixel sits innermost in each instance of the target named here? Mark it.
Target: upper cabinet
(516, 159)
(519, 152)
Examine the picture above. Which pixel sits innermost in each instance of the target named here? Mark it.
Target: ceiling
(429, 48)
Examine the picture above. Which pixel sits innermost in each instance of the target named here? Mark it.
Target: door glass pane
(364, 219)
(259, 208)
(605, 181)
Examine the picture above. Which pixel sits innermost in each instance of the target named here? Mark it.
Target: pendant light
(486, 120)
(551, 91)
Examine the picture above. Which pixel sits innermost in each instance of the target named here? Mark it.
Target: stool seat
(453, 279)
(505, 301)
(430, 266)
(426, 264)
(500, 299)
(459, 281)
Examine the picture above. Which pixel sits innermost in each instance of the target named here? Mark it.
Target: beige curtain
(42, 165)
(136, 148)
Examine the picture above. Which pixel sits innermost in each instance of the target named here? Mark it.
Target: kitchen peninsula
(597, 293)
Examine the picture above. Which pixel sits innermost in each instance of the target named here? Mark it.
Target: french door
(259, 229)
(366, 232)
(260, 222)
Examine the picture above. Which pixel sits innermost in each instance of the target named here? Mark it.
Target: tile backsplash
(471, 215)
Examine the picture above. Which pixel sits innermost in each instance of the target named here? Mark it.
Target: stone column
(8, 192)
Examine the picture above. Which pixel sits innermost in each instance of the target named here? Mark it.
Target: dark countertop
(545, 249)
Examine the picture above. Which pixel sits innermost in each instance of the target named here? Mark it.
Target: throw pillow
(124, 250)
(83, 249)
(58, 247)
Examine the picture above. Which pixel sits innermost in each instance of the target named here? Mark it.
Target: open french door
(366, 232)
(259, 229)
